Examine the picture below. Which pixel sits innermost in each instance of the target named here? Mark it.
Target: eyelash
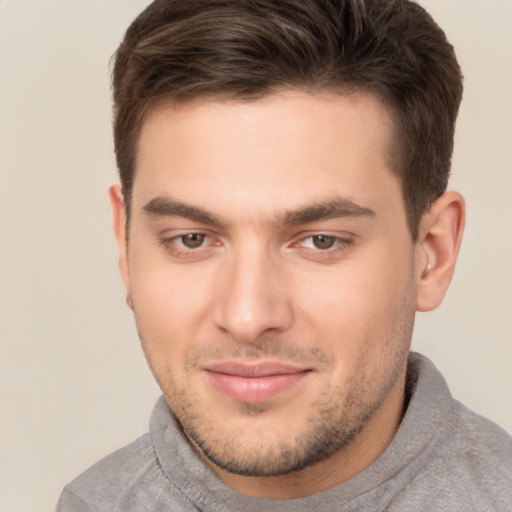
(170, 244)
(337, 241)
(331, 254)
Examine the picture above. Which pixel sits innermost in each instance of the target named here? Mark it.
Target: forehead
(285, 149)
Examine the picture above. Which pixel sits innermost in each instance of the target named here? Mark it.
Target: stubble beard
(327, 431)
(330, 426)
(335, 419)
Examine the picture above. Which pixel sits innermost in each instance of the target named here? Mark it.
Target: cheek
(356, 305)
(171, 302)
(169, 313)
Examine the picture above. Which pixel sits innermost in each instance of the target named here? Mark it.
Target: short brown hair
(246, 49)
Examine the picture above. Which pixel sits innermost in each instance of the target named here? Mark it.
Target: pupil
(323, 241)
(193, 240)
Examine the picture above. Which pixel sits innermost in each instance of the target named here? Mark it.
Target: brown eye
(323, 241)
(193, 240)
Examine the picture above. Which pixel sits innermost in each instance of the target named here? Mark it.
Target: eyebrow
(332, 209)
(164, 206)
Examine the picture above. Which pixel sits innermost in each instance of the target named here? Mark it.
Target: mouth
(254, 382)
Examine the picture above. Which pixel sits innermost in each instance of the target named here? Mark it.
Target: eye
(192, 244)
(324, 247)
(323, 242)
(193, 240)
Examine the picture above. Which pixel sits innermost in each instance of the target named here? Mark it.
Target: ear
(119, 224)
(437, 249)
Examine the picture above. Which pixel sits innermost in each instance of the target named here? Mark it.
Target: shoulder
(472, 469)
(465, 461)
(480, 434)
(483, 451)
(100, 487)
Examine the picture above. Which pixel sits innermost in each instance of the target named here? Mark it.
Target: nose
(252, 298)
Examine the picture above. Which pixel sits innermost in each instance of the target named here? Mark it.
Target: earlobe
(437, 249)
(119, 225)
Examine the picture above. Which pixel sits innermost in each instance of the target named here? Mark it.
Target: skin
(275, 231)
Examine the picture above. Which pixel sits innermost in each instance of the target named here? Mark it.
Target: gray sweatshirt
(443, 458)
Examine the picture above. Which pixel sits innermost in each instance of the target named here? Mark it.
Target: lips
(254, 382)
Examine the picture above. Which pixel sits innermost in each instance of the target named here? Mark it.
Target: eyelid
(171, 242)
(343, 237)
(343, 243)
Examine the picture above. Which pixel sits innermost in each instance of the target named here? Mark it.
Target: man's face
(272, 274)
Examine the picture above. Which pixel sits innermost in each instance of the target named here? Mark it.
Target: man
(281, 217)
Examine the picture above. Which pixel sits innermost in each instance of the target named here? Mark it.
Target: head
(178, 51)
(282, 215)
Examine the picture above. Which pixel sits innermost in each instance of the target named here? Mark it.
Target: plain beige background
(74, 384)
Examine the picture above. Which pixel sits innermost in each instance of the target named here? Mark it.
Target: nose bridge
(253, 299)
